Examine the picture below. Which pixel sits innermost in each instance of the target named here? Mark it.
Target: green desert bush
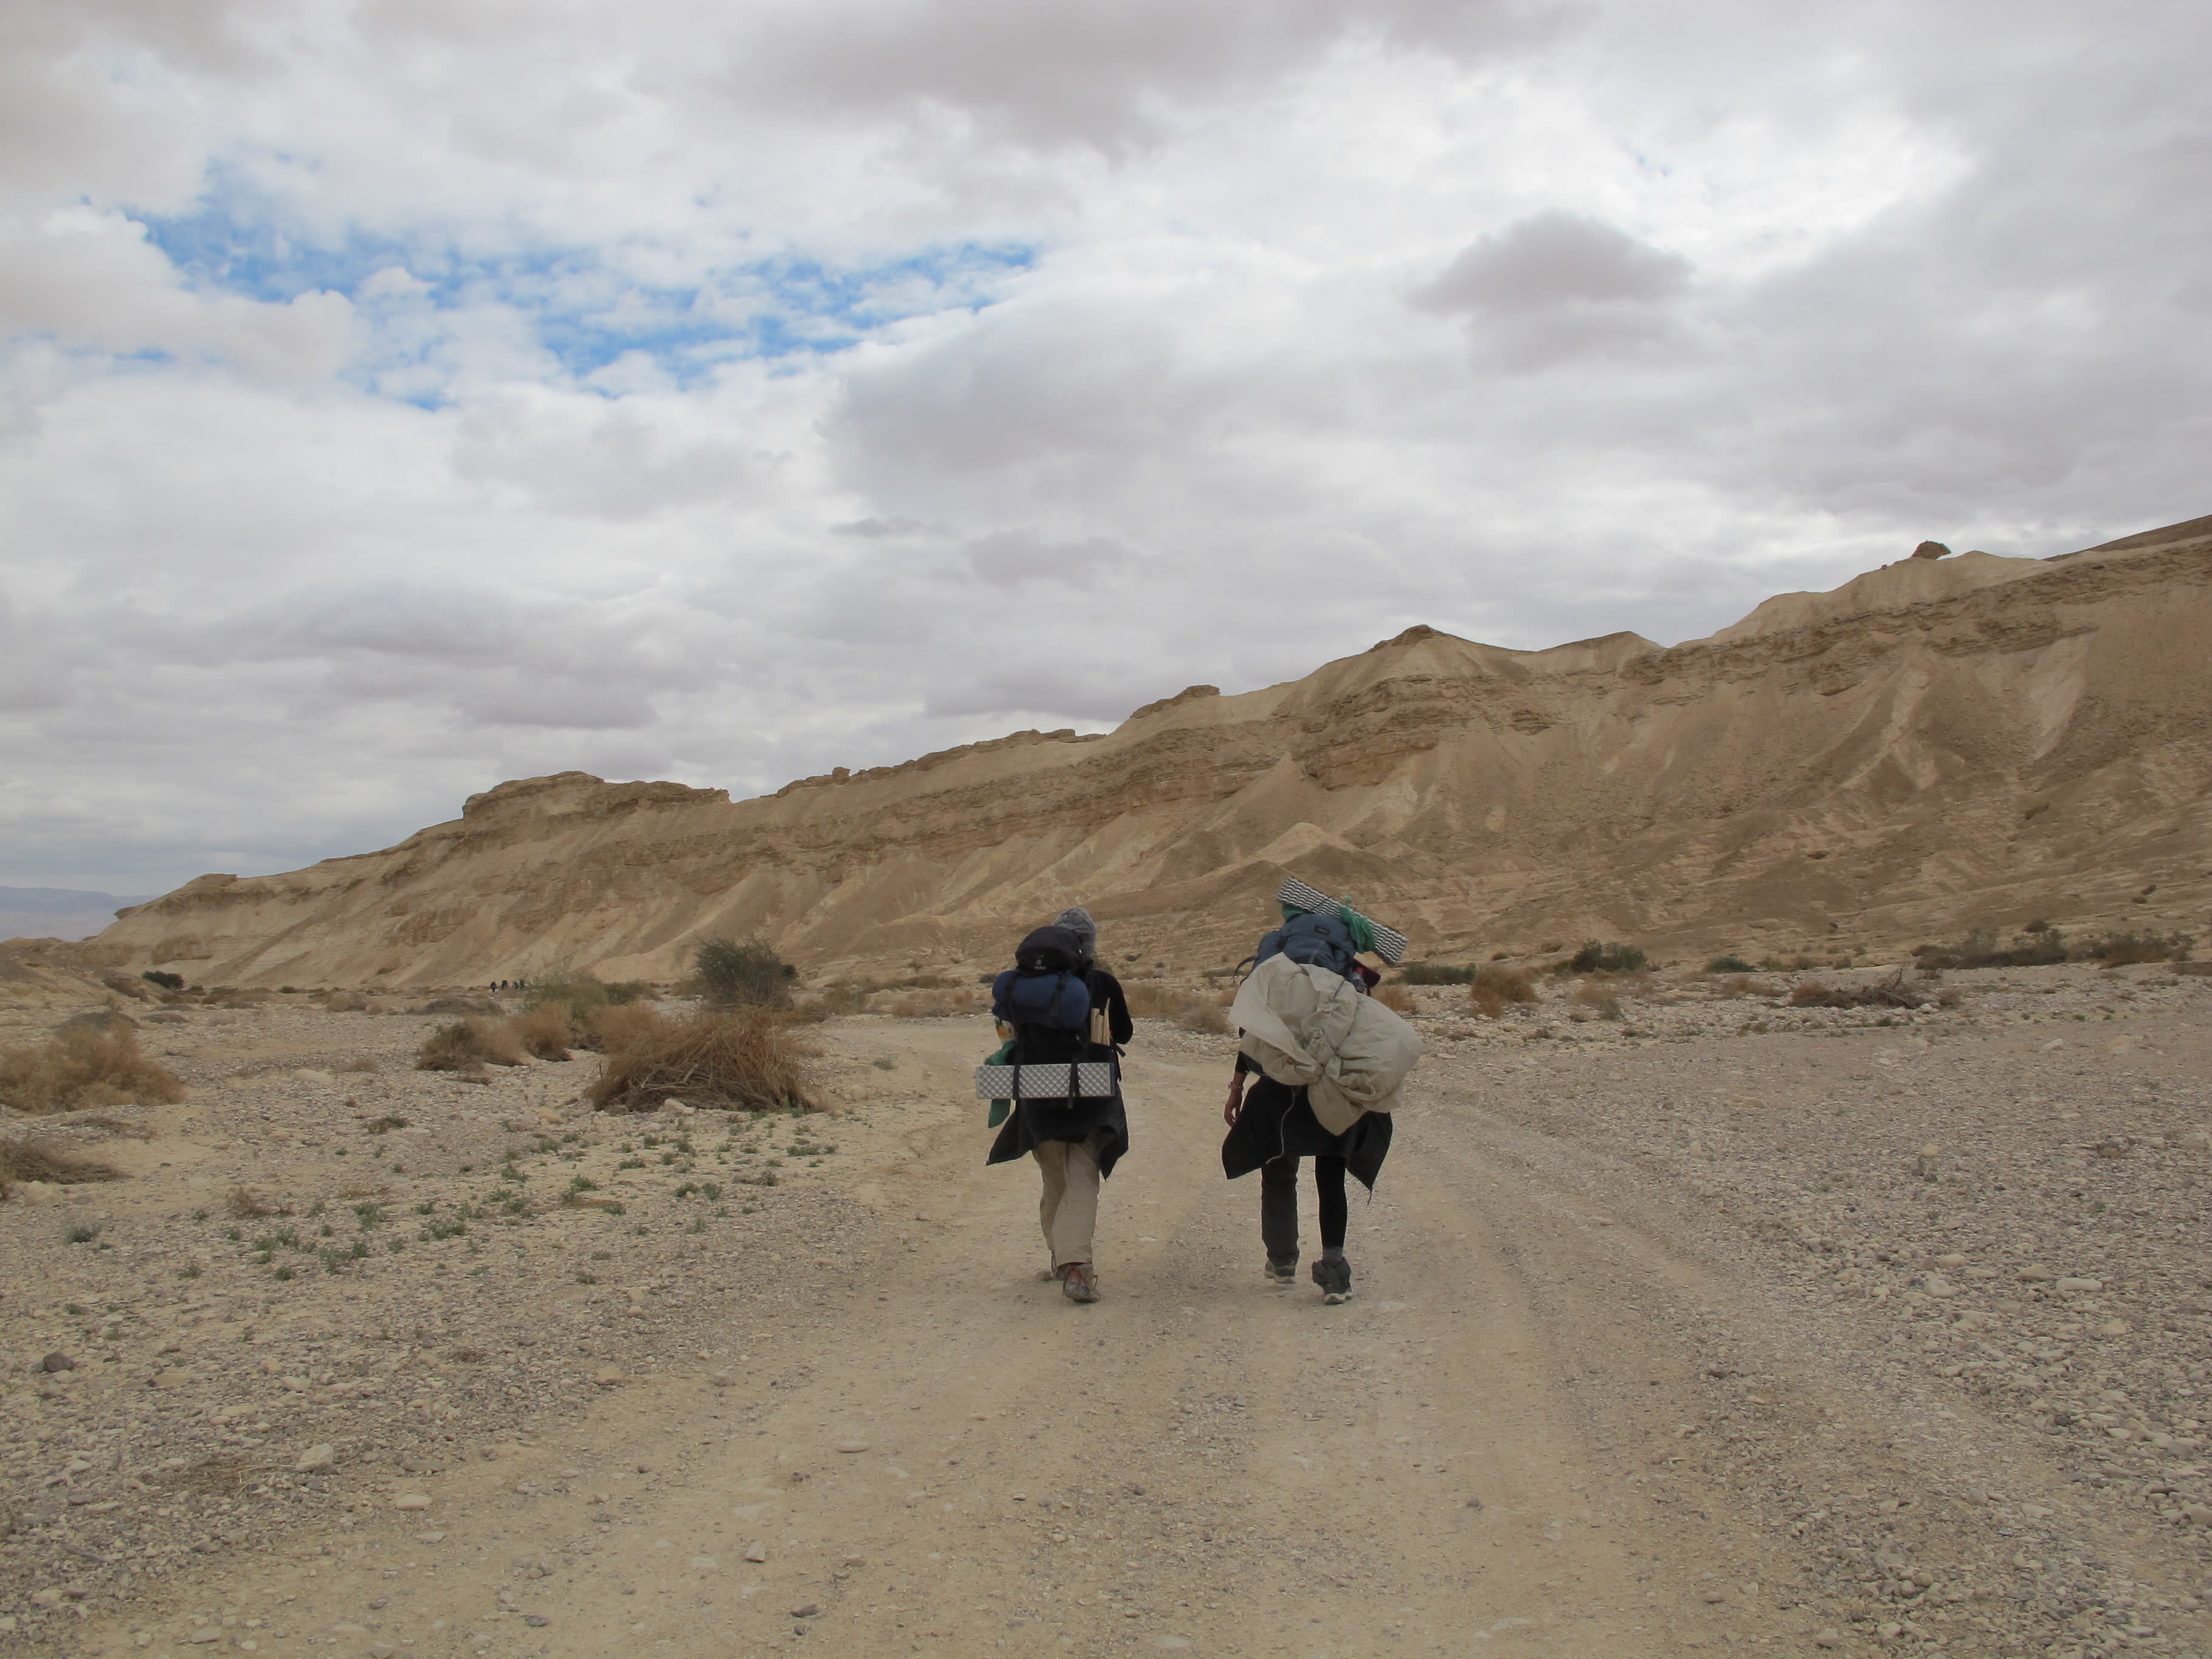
(1605, 956)
(2037, 945)
(1436, 973)
(743, 973)
(1729, 964)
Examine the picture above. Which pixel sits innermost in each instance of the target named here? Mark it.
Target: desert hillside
(1937, 743)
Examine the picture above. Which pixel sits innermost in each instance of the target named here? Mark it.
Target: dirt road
(1563, 1416)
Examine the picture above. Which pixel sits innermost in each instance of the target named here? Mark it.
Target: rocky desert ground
(1719, 1325)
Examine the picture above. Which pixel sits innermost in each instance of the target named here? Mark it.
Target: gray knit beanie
(1078, 922)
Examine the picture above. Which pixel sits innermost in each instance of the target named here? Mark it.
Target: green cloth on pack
(1361, 929)
(999, 1108)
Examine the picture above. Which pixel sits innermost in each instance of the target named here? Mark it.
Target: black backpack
(1048, 987)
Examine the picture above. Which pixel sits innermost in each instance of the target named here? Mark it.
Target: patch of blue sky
(585, 309)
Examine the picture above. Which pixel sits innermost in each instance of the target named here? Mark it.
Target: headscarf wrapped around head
(1077, 920)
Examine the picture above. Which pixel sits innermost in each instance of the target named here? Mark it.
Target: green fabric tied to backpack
(1003, 1056)
(1361, 929)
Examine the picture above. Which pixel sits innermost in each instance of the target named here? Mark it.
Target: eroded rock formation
(1940, 743)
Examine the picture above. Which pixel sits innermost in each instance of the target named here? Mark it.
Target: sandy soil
(1721, 1326)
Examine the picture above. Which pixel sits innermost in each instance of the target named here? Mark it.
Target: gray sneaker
(1078, 1283)
(1334, 1279)
(1282, 1272)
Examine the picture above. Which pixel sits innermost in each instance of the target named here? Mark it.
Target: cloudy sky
(402, 395)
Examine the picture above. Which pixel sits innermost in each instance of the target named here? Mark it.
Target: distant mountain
(60, 912)
(1941, 744)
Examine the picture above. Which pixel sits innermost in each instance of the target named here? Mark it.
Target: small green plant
(316, 1208)
(199, 1215)
(427, 1206)
(369, 1215)
(282, 1273)
(452, 1227)
(232, 1234)
(603, 1255)
(83, 1232)
(189, 1270)
(584, 1277)
(1728, 965)
(713, 1189)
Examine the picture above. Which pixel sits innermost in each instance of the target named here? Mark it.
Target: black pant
(1278, 1205)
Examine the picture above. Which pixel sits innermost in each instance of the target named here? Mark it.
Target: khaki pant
(1068, 1212)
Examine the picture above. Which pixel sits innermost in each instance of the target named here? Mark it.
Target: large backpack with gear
(1048, 987)
(1312, 941)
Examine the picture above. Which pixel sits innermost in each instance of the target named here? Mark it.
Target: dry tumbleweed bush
(747, 1057)
(72, 1069)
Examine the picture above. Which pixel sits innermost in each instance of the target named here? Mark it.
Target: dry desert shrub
(1396, 997)
(1204, 1018)
(468, 1045)
(927, 1005)
(2118, 949)
(1891, 992)
(843, 996)
(360, 1063)
(245, 1204)
(543, 1029)
(344, 1002)
(1150, 999)
(611, 1025)
(39, 1160)
(1496, 988)
(1599, 997)
(83, 1067)
(743, 1057)
(2039, 945)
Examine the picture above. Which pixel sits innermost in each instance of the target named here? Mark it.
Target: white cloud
(399, 397)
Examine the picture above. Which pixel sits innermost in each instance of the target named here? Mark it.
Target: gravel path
(1673, 1333)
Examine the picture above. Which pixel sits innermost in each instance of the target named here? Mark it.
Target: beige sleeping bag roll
(1308, 1028)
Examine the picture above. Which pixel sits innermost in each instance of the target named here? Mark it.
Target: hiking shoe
(1281, 1272)
(1334, 1279)
(1078, 1283)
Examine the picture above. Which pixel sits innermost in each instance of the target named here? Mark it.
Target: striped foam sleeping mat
(1094, 1080)
(1389, 944)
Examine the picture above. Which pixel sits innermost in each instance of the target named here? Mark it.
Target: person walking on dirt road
(1307, 996)
(1077, 1138)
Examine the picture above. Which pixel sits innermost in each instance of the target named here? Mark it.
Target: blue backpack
(1048, 985)
(1313, 940)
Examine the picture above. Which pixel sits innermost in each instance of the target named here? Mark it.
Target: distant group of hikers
(1325, 1062)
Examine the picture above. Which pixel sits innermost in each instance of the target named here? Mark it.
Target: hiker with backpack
(1328, 1061)
(1068, 1021)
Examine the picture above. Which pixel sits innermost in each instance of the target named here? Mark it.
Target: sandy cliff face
(1937, 743)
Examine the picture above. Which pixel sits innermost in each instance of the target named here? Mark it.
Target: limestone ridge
(1943, 742)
